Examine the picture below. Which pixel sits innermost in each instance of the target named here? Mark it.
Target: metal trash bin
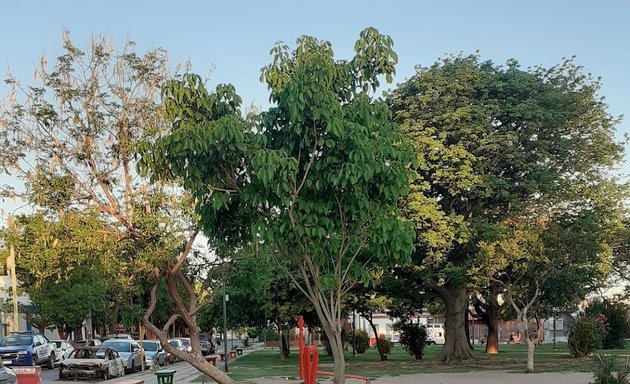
(165, 376)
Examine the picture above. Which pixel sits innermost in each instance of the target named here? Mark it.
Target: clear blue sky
(234, 37)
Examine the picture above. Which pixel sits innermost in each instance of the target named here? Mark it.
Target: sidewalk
(184, 372)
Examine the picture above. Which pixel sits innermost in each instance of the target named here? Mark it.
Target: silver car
(129, 350)
(6, 375)
(154, 353)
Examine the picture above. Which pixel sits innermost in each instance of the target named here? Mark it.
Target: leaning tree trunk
(492, 322)
(379, 347)
(456, 345)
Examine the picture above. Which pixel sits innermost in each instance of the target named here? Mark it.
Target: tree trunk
(378, 345)
(336, 345)
(521, 323)
(467, 328)
(456, 344)
(539, 330)
(492, 322)
(284, 352)
(117, 304)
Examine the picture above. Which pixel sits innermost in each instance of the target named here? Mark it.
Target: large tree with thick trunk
(492, 142)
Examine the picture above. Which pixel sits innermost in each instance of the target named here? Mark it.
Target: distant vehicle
(177, 344)
(27, 349)
(207, 344)
(119, 336)
(186, 342)
(87, 343)
(153, 352)
(92, 363)
(6, 375)
(64, 349)
(435, 334)
(129, 350)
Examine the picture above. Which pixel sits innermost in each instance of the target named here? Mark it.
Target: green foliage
(414, 337)
(361, 341)
(617, 326)
(607, 372)
(585, 336)
(385, 345)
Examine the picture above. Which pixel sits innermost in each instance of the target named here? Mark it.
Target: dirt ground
(484, 377)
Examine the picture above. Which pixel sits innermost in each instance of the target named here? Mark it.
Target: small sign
(26, 370)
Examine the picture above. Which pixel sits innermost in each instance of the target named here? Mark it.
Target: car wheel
(51, 361)
(60, 374)
(105, 375)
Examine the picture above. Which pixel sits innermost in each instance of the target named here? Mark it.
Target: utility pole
(16, 324)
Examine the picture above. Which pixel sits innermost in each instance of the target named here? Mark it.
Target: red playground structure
(309, 360)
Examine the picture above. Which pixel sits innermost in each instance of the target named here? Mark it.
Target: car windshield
(186, 342)
(83, 353)
(58, 344)
(174, 343)
(149, 346)
(119, 345)
(16, 341)
(203, 337)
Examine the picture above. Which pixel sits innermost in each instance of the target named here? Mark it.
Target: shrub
(345, 338)
(361, 340)
(616, 326)
(605, 368)
(385, 345)
(585, 336)
(414, 337)
(246, 342)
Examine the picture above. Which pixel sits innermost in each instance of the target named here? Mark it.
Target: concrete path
(485, 377)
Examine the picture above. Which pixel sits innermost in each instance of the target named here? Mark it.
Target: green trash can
(165, 376)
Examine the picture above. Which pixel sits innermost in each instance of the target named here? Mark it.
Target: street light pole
(555, 314)
(16, 324)
(354, 331)
(225, 348)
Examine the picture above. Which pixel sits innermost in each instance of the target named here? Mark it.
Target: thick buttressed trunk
(456, 346)
(378, 345)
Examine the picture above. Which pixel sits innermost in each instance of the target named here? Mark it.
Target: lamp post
(555, 315)
(354, 329)
(226, 298)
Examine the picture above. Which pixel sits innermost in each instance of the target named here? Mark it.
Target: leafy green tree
(71, 138)
(316, 177)
(494, 142)
(56, 259)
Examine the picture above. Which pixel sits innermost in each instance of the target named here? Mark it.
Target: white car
(64, 349)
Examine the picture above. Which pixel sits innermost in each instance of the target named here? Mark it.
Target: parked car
(207, 346)
(119, 336)
(186, 342)
(177, 344)
(435, 334)
(92, 363)
(129, 350)
(154, 353)
(27, 349)
(6, 375)
(63, 349)
(87, 343)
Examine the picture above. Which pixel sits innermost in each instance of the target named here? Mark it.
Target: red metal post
(301, 353)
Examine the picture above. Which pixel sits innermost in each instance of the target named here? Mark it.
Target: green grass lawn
(265, 363)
